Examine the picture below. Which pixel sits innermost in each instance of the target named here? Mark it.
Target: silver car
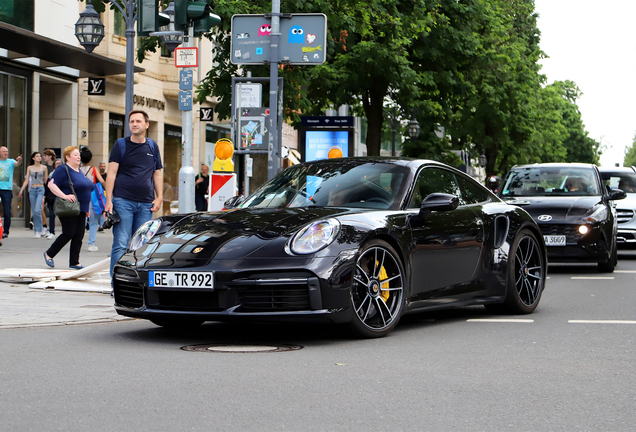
(623, 178)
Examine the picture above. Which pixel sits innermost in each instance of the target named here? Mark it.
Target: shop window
(115, 129)
(119, 24)
(19, 13)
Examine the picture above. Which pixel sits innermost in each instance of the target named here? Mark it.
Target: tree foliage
(471, 66)
(630, 154)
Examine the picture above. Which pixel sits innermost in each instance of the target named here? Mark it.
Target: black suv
(572, 207)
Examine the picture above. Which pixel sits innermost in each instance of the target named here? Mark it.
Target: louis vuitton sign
(149, 102)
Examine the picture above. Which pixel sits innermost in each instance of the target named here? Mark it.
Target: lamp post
(413, 129)
(89, 30)
(483, 160)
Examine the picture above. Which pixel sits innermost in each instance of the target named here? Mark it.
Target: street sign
(185, 101)
(186, 57)
(303, 39)
(185, 79)
(250, 95)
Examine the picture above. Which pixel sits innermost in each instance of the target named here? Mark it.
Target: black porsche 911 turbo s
(361, 241)
(572, 207)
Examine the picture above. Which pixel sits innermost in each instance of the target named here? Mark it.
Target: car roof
(556, 165)
(616, 169)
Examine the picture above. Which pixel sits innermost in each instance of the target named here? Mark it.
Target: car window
(433, 180)
(550, 180)
(472, 193)
(624, 180)
(333, 184)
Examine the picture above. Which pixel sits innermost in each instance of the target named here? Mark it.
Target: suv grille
(569, 231)
(624, 215)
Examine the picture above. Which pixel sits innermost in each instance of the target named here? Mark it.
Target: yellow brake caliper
(384, 293)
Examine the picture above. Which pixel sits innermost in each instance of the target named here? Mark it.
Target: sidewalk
(21, 306)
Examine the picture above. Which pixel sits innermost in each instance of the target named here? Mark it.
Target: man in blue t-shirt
(134, 187)
(6, 186)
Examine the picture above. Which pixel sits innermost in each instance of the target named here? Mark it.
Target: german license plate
(554, 240)
(160, 279)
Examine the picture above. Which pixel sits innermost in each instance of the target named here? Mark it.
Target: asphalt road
(567, 367)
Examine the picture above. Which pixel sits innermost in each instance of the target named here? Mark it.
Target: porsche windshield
(549, 181)
(333, 184)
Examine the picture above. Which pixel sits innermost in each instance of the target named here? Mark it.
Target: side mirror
(616, 194)
(439, 202)
(233, 202)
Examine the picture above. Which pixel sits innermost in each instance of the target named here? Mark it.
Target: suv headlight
(315, 236)
(598, 214)
(144, 233)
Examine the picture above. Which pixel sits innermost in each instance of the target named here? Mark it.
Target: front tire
(527, 270)
(377, 291)
(608, 267)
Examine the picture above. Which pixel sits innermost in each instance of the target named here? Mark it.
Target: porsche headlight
(144, 233)
(598, 214)
(315, 236)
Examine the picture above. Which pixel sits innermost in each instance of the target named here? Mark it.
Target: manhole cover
(222, 348)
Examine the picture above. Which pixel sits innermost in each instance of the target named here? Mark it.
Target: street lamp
(414, 129)
(89, 30)
(483, 160)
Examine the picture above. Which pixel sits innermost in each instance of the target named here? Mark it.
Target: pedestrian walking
(73, 226)
(35, 175)
(48, 160)
(49, 198)
(134, 187)
(6, 186)
(201, 187)
(95, 220)
(102, 170)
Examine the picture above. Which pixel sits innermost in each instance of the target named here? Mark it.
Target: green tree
(630, 154)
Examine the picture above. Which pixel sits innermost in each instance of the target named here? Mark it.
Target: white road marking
(601, 322)
(503, 320)
(592, 277)
(624, 271)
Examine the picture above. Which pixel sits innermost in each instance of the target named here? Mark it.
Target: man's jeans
(133, 214)
(6, 196)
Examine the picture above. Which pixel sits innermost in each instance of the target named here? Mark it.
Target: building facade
(44, 90)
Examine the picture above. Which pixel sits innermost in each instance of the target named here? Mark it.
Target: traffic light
(148, 17)
(204, 24)
(198, 12)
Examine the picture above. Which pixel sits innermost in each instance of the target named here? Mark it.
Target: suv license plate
(554, 240)
(159, 279)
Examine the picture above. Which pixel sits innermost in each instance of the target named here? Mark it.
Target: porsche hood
(234, 234)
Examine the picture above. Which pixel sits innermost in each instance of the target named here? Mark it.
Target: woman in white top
(35, 175)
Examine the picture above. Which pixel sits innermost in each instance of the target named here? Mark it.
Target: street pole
(394, 132)
(274, 150)
(186, 172)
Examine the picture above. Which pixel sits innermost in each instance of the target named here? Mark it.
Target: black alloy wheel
(527, 270)
(377, 291)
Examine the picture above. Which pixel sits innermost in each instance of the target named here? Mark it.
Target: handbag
(64, 208)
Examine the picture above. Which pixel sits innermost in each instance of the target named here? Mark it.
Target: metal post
(274, 150)
(186, 173)
(394, 132)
